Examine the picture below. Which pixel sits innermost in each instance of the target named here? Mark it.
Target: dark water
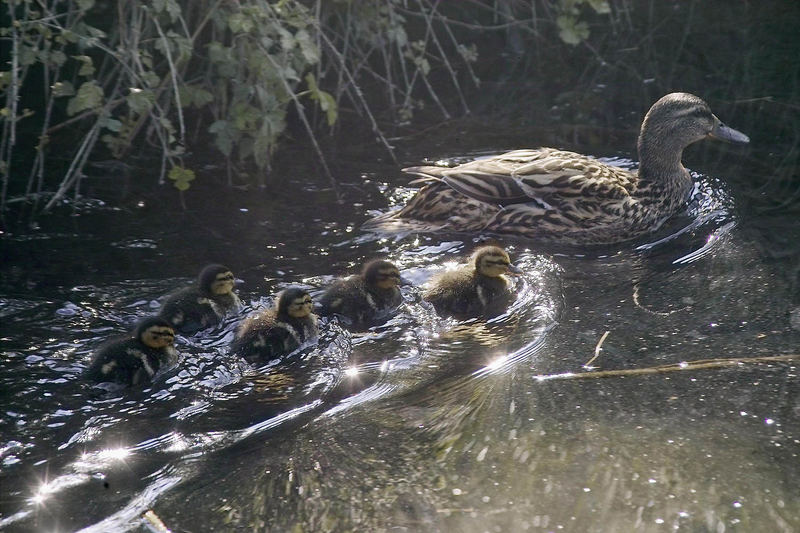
(421, 423)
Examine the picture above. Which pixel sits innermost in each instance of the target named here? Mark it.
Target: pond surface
(420, 424)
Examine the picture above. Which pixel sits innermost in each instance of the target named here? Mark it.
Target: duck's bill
(513, 269)
(723, 132)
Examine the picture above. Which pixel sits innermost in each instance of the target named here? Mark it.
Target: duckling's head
(679, 119)
(155, 332)
(492, 262)
(381, 274)
(294, 303)
(216, 280)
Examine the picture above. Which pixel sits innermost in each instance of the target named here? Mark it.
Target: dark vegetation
(98, 84)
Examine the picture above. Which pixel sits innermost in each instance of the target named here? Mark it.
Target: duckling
(203, 304)
(134, 359)
(365, 298)
(476, 289)
(562, 197)
(277, 331)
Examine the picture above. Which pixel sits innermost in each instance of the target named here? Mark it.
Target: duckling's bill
(514, 269)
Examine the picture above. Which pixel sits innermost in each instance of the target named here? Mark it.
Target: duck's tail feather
(392, 223)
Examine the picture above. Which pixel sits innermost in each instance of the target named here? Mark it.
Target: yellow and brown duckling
(134, 359)
(366, 298)
(563, 197)
(278, 331)
(203, 304)
(478, 289)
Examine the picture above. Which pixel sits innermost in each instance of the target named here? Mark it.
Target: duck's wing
(487, 180)
(542, 176)
(566, 175)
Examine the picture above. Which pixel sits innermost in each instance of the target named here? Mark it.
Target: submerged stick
(702, 364)
(597, 350)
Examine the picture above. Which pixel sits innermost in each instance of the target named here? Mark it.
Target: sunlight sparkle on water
(351, 372)
(497, 363)
(113, 454)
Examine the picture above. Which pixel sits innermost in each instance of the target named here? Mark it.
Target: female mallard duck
(134, 359)
(278, 331)
(476, 289)
(365, 298)
(203, 304)
(557, 196)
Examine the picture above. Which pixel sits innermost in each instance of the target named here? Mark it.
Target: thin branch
(174, 76)
(702, 364)
(358, 93)
(301, 113)
(76, 166)
(443, 55)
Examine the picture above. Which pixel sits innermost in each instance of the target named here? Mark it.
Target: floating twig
(702, 364)
(597, 350)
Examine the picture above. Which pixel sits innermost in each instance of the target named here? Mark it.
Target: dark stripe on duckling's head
(492, 261)
(216, 279)
(381, 274)
(155, 332)
(294, 303)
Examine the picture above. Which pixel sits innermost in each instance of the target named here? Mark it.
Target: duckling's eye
(226, 277)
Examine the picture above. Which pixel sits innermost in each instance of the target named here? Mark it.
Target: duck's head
(155, 332)
(679, 119)
(294, 303)
(216, 280)
(382, 274)
(492, 262)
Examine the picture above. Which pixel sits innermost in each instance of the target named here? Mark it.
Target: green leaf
(63, 88)
(171, 7)
(398, 34)
(326, 102)
(307, 47)
(87, 67)
(27, 55)
(195, 96)
(182, 177)
(89, 96)
(140, 101)
(111, 124)
(570, 30)
(600, 6)
(58, 58)
(469, 53)
(224, 136)
(287, 39)
(151, 78)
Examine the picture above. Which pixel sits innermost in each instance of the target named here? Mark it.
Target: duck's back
(124, 361)
(264, 337)
(352, 299)
(189, 310)
(464, 294)
(346, 297)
